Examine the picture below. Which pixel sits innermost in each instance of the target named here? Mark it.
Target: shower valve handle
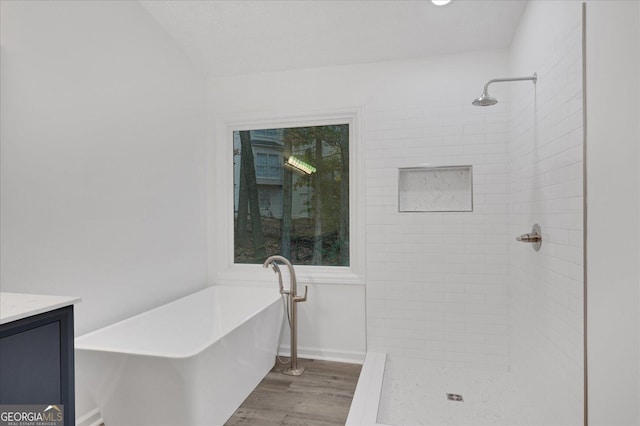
(534, 237)
(303, 298)
(529, 238)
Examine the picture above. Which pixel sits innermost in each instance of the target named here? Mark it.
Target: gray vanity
(36, 351)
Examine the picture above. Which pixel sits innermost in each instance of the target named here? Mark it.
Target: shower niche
(435, 189)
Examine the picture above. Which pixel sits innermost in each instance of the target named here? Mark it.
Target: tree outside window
(292, 195)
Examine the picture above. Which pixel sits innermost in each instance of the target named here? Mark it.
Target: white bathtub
(190, 362)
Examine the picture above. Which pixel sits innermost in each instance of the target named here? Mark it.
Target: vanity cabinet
(36, 360)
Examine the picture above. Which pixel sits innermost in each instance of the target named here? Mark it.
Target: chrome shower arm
(533, 78)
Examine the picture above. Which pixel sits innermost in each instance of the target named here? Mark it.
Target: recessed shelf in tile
(435, 189)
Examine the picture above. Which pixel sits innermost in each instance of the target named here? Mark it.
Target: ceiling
(239, 37)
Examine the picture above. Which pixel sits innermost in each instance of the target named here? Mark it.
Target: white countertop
(15, 306)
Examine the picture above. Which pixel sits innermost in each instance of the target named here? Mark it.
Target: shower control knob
(534, 237)
(529, 238)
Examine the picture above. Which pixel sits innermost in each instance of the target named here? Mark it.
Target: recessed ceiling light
(440, 2)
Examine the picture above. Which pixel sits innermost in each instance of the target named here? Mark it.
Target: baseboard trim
(324, 354)
(92, 418)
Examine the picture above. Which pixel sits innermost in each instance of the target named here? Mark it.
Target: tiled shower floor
(414, 393)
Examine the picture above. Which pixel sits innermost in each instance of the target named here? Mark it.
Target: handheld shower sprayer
(276, 269)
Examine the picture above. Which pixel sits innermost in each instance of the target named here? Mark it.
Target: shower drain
(454, 397)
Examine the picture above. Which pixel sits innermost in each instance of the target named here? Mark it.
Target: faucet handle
(301, 299)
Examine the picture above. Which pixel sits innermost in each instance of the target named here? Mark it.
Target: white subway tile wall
(456, 289)
(437, 282)
(546, 187)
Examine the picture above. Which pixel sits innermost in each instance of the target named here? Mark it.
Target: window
(291, 195)
(268, 166)
(264, 198)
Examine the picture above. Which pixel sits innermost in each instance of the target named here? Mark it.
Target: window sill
(305, 274)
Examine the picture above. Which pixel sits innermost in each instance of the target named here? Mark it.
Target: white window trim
(221, 266)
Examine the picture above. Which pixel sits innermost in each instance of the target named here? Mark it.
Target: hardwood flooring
(320, 397)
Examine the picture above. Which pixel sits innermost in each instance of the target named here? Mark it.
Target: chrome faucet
(293, 369)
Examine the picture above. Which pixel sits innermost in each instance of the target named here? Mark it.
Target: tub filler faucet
(292, 312)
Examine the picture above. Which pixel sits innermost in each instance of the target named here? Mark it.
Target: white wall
(103, 172)
(437, 282)
(414, 112)
(545, 185)
(613, 138)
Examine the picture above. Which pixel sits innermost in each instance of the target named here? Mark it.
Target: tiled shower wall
(437, 282)
(545, 187)
(456, 288)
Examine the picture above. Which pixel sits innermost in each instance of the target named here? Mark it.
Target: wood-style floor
(320, 397)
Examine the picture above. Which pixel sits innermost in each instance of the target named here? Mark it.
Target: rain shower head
(486, 100)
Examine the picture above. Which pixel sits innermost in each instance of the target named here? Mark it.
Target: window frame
(220, 194)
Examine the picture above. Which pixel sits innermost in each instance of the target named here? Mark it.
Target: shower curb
(366, 399)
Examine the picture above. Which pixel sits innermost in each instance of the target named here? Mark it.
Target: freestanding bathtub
(190, 362)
